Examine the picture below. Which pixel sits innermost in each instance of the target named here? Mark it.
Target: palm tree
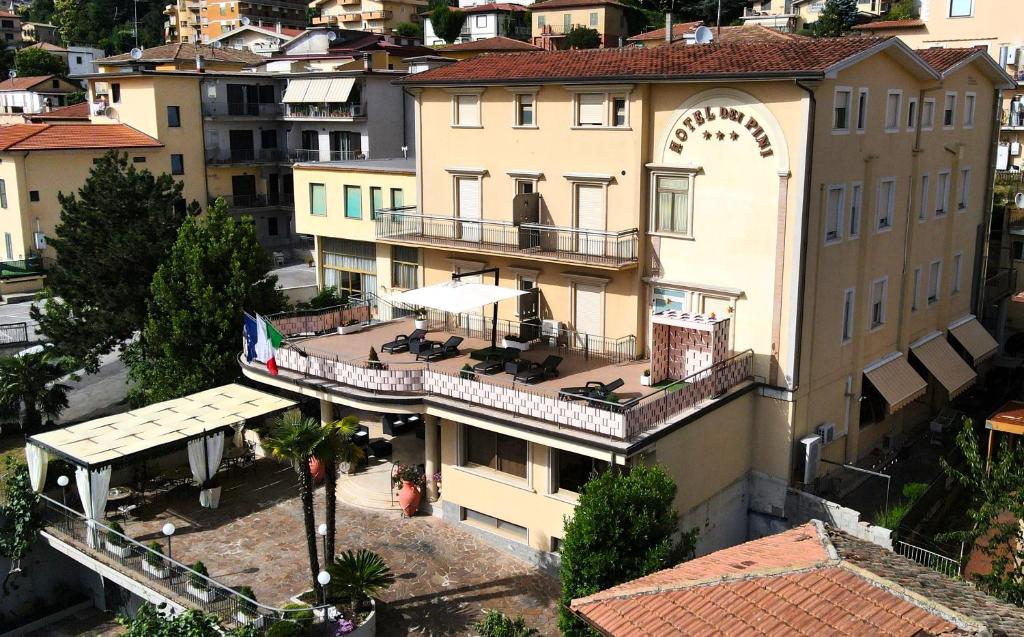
(293, 439)
(27, 388)
(356, 577)
(336, 447)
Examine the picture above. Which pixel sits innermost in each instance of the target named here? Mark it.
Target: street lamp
(63, 482)
(168, 530)
(322, 530)
(323, 578)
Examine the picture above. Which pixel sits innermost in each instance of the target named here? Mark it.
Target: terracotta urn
(409, 498)
(318, 470)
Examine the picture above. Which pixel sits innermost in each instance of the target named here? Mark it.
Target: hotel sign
(702, 120)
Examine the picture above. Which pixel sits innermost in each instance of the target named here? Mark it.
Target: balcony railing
(241, 109)
(377, 15)
(1001, 284)
(576, 245)
(245, 156)
(312, 155)
(346, 110)
(1013, 119)
(256, 201)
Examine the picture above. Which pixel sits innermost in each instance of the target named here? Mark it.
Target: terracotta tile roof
(678, 31)
(752, 33)
(804, 57)
(564, 4)
(8, 14)
(882, 25)
(491, 7)
(942, 59)
(499, 43)
(75, 111)
(73, 136)
(23, 83)
(187, 51)
(46, 46)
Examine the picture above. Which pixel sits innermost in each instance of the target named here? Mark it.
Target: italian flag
(268, 341)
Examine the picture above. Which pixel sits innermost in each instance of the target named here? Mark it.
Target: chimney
(278, 27)
(200, 64)
(367, 62)
(668, 27)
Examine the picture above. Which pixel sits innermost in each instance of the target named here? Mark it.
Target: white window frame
(856, 209)
(915, 299)
(952, 117)
(849, 316)
(958, 263)
(925, 191)
(863, 109)
(478, 94)
(970, 105)
(838, 212)
(653, 203)
(897, 116)
(964, 194)
(912, 114)
(949, 11)
(845, 130)
(609, 93)
(942, 188)
(517, 95)
(934, 282)
(929, 107)
(480, 22)
(884, 300)
(890, 205)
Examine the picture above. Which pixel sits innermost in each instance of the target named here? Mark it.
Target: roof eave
(1000, 78)
(605, 79)
(910, 58)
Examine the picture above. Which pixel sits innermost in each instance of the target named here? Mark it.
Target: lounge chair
(402, 342)
(439, 351)
(495, 361)
(540, 371)
(593, 390)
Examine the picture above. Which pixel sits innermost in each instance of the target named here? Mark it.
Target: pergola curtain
(92, 488)
(38, 459)
(204, 456)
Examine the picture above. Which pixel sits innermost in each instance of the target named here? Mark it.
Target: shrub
(155, 554)
(115, 535)
(327, 297)
(581, 37)
(195, 579)
(496, 624)
(301, 614)
(244, 605)
(356, 577)
(285, 629)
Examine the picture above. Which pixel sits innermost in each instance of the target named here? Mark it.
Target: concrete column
(431, 452)
(326, 412)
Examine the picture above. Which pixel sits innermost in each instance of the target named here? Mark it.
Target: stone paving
(445, 576)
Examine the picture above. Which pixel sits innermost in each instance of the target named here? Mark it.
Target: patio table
(178, 475)
(117, 495)
(516, 366)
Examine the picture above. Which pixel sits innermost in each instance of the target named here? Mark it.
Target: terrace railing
(256, 200)
(158, 571)
(245, 156)
(575, 245)
(344, 110)
(242, 109)
(310, 155)
(946, 565)
(22, 267)
(13, 333)
(319, 321)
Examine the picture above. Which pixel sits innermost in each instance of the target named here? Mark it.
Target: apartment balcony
(377, 15)
(1013, 120)
(242, 109)
(1000, 284)
(245, 156)
(600, 248)
(245, 202)
(347, 110)
(312, 155)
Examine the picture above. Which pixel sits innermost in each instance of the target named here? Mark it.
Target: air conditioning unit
(811, 448)
(827, 432)
(40, 240)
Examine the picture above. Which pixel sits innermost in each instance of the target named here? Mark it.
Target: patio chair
(402, 342)
(439, 351)
(540, 371)
(495, 361)
(593, 390)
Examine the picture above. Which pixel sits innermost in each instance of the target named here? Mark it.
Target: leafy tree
(109, 242)
(497, 624)
(836, 18)
(76, 97)
(335, 447)
(38, 11)
(902, 10)
(293, 438)
(215, 271)
(994, 513)
(19, 515)
(409, 30)
(28, 389)
(6, 60)
(447, 23)
(31, 61)
(621, 529)
(690, 10)
(581, 37)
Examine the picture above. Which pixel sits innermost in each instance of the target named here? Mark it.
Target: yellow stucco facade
(375, 16)
(550, 24)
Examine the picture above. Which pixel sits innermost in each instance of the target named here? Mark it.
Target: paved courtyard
(445, 576)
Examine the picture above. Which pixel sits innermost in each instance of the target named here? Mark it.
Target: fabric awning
(974, 338)
(296, 91)
(456, 296)
(339, 89)
(944, 364)
(118, 437)
(896, 380)
(317, 91)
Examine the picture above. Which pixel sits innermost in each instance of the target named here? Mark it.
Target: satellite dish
(245, 21)
(218, 45)
(1018, 200)
(703, 35)
(12, 74)
(331, 36)
(136, 53)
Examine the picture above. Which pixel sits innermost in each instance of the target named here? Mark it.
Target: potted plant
(467, 372)
(645, 379)
(247, 614)
(411, 481)
(421, 318)
(115, 541)
(437, 482)
(373, 361)
(356, 577)
(154, 563)
(350, 326)
(198, 585)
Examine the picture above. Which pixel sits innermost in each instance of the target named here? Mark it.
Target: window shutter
(591, 109)
(467, 113)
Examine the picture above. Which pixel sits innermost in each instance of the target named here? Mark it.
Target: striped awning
(296, 92)
(974, 338)
(896, 381)
(319, 91)
(944, 364)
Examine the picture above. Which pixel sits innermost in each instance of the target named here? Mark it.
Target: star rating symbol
(720, 135)
(734, 136)
(707, 134)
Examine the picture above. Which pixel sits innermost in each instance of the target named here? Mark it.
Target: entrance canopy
(456, 296)
(111, 439)
(974, 338)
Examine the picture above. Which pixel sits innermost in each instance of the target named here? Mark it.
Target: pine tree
(214, 272)
(836, 18)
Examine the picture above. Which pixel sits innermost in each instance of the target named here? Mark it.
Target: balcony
(346, 110)
(239, 202)
(1013, 119)
(600, 248)
(1001, 284)
(245, 156)
(242, 109)
(310, 156)
(377, 15)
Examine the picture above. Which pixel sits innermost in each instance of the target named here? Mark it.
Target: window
(856, 204)
(862, 110)
(848, 297)
(922, 205)
(841, 110)
(376, 201)
(525, 186)
(911, 113)
(970, 99)
(942, 194)
(465, 110)
(3, 194)
(672, 204)
(481, 21)
(174, 117)
(893, 105)
(397, 198)
(886, 203)
(317, 199)
(177, 164)
(928, 114)
(272, 226)
(965, 189)
(353, 202)
(573, 470)
(834, 214)
(490, 522)
(590, 109)
(934, 279)
(404, 267)
(496, 451)
(1017, 250)
(541, 21)
(9, 245)
(78, 59)
(618, 110)
(524, 109)
(593, 18)
(33, 195)
(961, 8)
(957, 263)
(115, 92)
(566, 22)
(879, 290)
(138, 160)
(915, 300)
(949, 110)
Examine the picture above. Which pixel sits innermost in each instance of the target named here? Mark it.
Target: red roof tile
(186, 51)
(752, 33)
(889, 24)
(803, 57)
(24, 83)
(73, 136)
(499, 43)
(942, 59)
(75, 111)
(562, 4)
(491, 7)
(678, 31)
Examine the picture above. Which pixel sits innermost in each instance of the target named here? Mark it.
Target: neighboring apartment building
(332, 49)
(180, 57)
(499, 44)
(375, 16)
(79, 59)
(33, 94)
(485, 21)
(686, 33)
(794, 234)
(10, 28)
(257, 39)
(40, 32)
(193, 21)
(792, 15)
(553, 19)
